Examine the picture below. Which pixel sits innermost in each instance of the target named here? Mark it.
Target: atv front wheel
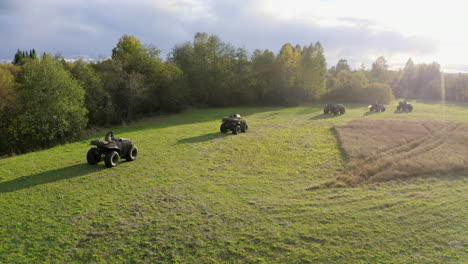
(245, 128)
(223, 128)
(93, 156)
(132, 153)
(112, 159)
(236, 130)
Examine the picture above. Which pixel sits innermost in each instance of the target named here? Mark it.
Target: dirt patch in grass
(382, 150)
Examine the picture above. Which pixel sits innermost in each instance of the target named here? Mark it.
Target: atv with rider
(111, 149)
(377, 108)
(235, 123)
(404, 107)
(335, 109)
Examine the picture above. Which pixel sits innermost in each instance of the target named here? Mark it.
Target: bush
(372, 93)
(378, 93)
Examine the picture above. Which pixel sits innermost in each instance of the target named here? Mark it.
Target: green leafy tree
(264, 72)
(97, 100)
(182, 55)
(18, 57)
(315, 71)
(51, 104)
(219, 74)
(7, 82)
(379, 71)
(22, 57)
(33, 54)
(210, 67)
(456, 87)
(349, 87)
(406, 80)
(426, 81)
(290, 80)
(342, 65)
(8, 107)
(114, 80)
(380, 93)
(241, 85)
(139, 83)
(429, 82)
(128, 49)
(167, 88)
(350, 80)
(132, 61)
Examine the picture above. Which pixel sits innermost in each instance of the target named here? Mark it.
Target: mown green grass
(195, 195)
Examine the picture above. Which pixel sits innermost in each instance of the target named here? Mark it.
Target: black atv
(111, 149)
(404, 107)
(377, 108)
(235, 123)
(335, 109)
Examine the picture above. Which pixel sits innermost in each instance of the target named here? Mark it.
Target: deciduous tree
(51, 104)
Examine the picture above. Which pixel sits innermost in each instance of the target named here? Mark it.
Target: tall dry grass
(381, 150)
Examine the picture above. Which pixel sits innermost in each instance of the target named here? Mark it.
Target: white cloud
(359, 30)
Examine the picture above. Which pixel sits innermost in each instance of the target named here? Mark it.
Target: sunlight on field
(195, 195)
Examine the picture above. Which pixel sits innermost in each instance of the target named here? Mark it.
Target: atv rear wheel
(132, 153)
(93, 156)
(236, 130)
(112, 159)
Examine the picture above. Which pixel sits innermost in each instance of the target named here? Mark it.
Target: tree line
(46, 100)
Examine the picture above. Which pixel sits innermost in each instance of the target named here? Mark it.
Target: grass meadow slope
(195, 195)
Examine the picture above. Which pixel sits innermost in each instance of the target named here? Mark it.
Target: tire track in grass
(393, 161)
(435, 140)
(409, 146)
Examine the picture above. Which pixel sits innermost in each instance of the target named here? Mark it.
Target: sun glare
(442, 22)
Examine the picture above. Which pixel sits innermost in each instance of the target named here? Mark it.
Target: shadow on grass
(48, 177)
(189, 117)
(319, 107)
(368, 113)
(203, 138)
(322, 116)
(447, 103)
(401, 112)
(344, 155)
(311, 109)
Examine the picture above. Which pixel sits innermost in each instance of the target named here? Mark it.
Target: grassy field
(195, 195)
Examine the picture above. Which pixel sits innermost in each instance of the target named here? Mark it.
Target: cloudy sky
(358, 30)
